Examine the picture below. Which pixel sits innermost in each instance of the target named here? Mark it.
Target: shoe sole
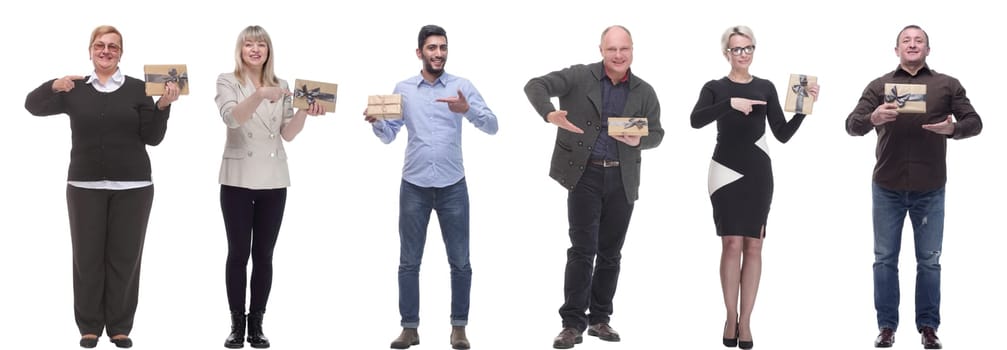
(595, 334)
(396, 346)
(577, 340)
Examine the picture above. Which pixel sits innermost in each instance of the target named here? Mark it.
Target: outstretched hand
(457, 104)
(558, 117)
(745, 105)
(65, 84)
(946, 127)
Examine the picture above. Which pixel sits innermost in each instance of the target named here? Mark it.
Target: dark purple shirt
(613, 100)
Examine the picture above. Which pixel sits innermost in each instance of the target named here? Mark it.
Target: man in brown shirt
(909, 176)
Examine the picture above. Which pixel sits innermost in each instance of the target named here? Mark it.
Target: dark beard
(429, 68)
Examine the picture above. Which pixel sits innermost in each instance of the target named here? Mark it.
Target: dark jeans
(452, 206)
(252, 220)
(926, 212)
(107, 229)
(599, 216)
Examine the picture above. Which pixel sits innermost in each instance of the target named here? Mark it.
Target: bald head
(616, 29)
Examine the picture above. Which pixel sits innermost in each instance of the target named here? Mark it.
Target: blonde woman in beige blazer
(257, 108)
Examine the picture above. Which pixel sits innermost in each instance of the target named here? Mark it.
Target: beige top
(253, 154)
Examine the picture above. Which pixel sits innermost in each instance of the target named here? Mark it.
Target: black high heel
(732, 342)
(744, 344)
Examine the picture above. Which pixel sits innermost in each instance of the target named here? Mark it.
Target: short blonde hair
(255, 33)
(102, 30)
(735, 30)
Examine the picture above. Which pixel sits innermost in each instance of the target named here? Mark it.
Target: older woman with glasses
(741, 174)
(109, 190)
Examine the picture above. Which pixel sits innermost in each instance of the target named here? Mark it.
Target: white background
(336, 260)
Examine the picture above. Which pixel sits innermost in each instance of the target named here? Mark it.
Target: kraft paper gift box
(911, 98)
(798, 98)
(157, 75)
(619, 126)
(308, 92)
(384, 106)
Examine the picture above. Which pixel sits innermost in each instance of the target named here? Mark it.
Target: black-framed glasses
(736, 51)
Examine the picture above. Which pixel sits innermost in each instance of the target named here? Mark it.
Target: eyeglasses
(100, 46)
(736, 51)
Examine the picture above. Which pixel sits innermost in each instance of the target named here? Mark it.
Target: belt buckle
(609, 163)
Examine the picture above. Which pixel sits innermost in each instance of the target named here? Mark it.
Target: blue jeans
(452, 206)
(926, 212)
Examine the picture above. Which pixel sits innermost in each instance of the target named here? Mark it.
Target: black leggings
(252, 219)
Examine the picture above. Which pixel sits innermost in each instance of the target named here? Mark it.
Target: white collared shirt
(113, 83)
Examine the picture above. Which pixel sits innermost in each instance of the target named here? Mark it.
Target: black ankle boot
(236, 340)
(255, 337)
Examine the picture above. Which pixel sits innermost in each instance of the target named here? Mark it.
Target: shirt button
(272, 136)
(597, 128)
(271, 155)
(249, 134)
(588, 123)
(249, 154)
(571, 163)
(580, 143)
(581, 167)
(589, 148)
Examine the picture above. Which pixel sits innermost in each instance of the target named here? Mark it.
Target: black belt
(605, 163)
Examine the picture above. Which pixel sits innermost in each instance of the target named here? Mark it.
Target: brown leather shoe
(458, 339)
(603, 331)
(407, 338)
(929, 338)
(567, 339)
(885, 339)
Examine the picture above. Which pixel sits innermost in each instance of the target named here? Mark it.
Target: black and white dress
(741, 173)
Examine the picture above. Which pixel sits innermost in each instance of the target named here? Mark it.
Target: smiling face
(434, 54)
(106, 50)
(913, 47)
(745, 50)
(255, 54)
(616, 52)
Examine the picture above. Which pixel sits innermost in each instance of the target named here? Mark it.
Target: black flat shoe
(746, 344)
(88, 342)
(124, 343)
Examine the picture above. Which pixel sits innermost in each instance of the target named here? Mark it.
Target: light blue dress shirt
(434, 150)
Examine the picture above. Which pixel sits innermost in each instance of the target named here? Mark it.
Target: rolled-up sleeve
(227, 99)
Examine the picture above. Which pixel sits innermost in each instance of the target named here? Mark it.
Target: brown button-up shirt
(909, 157)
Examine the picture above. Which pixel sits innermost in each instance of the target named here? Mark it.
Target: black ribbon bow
(172, 76)
(801, 89)
(313, 94)
(901, 100)
(639, 123)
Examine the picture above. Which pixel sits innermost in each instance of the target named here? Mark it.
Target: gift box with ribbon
(911, 98)
(157, 75)
(622, 126)
(798, 98)
(384, 106)
(308, 92)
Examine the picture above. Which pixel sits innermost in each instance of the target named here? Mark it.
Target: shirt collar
(116, 80)
(441, 80)
(899, 71)
(604, 77)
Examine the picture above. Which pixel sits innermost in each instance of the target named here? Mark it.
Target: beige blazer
(253, 154)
